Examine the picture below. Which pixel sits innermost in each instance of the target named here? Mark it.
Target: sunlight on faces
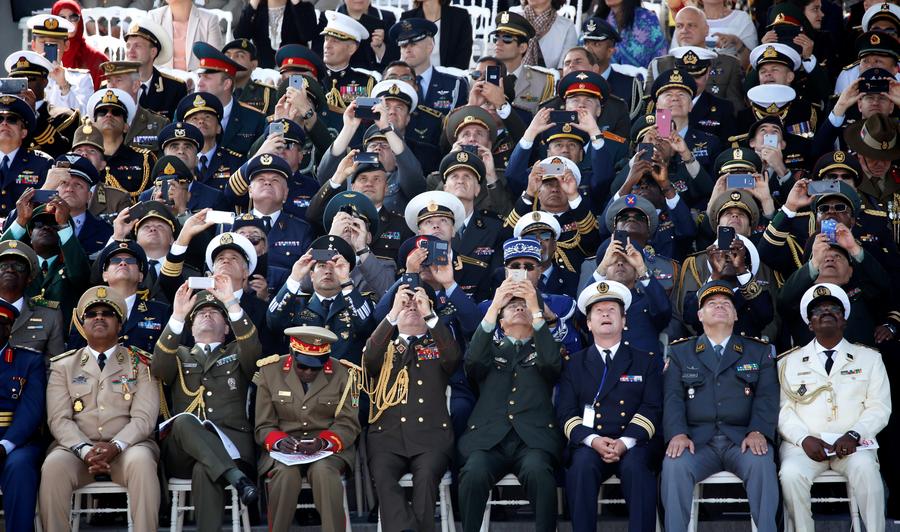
(756, 142)
(676, 100)
(874, 103)
(372, 184)
(219, 84)
(401, 73)
(257, 237)
(568, 148)
(463, 184)
(91, 153)
(418, 53)
(232, 264)
(385, 154)
(474, 134)
(140, 50)
(844, 217)
(547, 240)
(552, 197)
(737, 218)
(775, 73)
(515, 313)
(337, 52)
(834, 267)
(207, 123)
(38, 42)
(119, 271)
(508, 51)
(439, 226)
(717, 309)
(397, 113)
(74, 191)
(13, 133)
(126, 82)
(184, 150)
(877, 61)
(621, 271)
(576, 60)
(268, 186)
(577, 102)
(210, 323)
(691, 28)
(155, 233)
(531, 267)
(606, 318)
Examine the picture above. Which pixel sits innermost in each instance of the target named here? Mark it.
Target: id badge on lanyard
(587, 417)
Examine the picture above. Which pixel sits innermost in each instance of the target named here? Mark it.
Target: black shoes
(247, 491)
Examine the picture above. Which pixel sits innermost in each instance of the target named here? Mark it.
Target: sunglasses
(17, 267)
(521, 266)
(255, 240)
(631, 216)
(115, 111)
(823, 309)
(12, 120)
(91, 314)
(308, 368)
(40, 224)
(505, 37)
(73, 18)
(542, 235)
(837, 207)
(131, 261)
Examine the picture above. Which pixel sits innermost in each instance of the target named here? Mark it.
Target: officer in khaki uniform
(102, 405)
(533, 84)
(301, 409)
(39, 325)
(831, 386)
(208, 381)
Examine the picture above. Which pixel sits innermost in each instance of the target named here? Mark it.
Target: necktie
(421, 87)
(718, 349)
(4, 166)
(305, 387)
(462, 230)
(101, 360)
(326, 304)
(410, 340)
(267, 222)
(141, 92)
(607, 355)
(203, 163)
(152, 274)
(45, 268)
(830, 362)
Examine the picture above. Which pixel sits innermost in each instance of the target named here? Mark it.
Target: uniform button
(599, 427)
(472, 427)
(598, 416)
(418, 365)
(402, 420)
(512, 402)
(444, 425)
(101, 408)
(419, 382)
(510, 416)
(828, 400)
(620, 402)
(209, 409)
(622, 414)
(597, 403)
(305, 423)
(515, 374)
(514, 389)
(550, 425)
(421, 400)
(303, 407)
(828, 419)
(421, 420)
(209, 394)
(125, 337)
(101, 386)
(100, 429)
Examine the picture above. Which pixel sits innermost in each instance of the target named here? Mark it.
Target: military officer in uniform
(557, 275)
(208, 382)
(23, 400)
(39, 326)
(106, 202)
(610, 405)
(241, 123)
(410, 432)
(183, 140)
(127, 168)
(148, 43)
(719, 412)
(124, 265)
(258, 95)
(102, 405)
(600, 39)
(335, 303)
(214, 161)
(68, 87)
(144, 127)
(513, 427)
(302, 407)
(54, 125)
(835, 397)
(20, 168)
(63, 264)
(439, 91)
(799, 119)
(710, 113)
(533, 84)
(185, 194)
(341, 82)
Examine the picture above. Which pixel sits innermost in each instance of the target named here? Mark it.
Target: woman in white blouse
(555, 33)
(187, 24)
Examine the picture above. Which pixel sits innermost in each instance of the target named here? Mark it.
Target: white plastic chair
(305, 485)
(269, 76)
(226, 16)
(180, 487)
(722, 477)
(508, 480)
(447, 520)
(98, 488)
(113, 48)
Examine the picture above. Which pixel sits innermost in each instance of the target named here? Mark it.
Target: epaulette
(874, 212)
(64, 355)
(235, 153)
(851, 65)
(682, 340)
(371, 73)
(542, 70)
(140, 150)
(153, 113)
(248, 106)
(271, 359)
(141, 355)
(786, 353)
(41, 302)
(171, 77)
(429, 110)
(41, 153)
(612, 136)
(738, 138)
(349, 365)
(756, 339)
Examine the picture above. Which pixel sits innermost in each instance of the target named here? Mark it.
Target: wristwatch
(308, 114)
(537, 315)
(853, 434)
(390, 127)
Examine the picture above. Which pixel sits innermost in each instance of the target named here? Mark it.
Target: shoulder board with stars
(429, 110)
(271, 359)
(41, 302)
(755, 339)
(64, 355)
(235, 153)
(786, 353)
(682, 340)
(852, 65)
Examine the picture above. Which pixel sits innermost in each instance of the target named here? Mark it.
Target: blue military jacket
(23, 391)
(734, 395)
(625, 394)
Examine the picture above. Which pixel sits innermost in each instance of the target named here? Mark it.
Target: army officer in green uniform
(208, 381)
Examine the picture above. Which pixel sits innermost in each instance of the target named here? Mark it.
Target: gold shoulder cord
(381, 396)
(806, 398)
(197, 403)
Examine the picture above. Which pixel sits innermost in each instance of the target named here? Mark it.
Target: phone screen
(726, 237)
(664, 122)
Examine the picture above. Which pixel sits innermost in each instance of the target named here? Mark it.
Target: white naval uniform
(860, 401)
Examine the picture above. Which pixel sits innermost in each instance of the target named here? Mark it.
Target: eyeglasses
(824, 308)
(835, 207)
(505, 37)
(91, 314)
(40, 224)
(17, 267)
(308, 368)
(840, 175)
(631, 216)
(255, 240)
(131, 261)
(115, 111)
(13, 120)
(527, 266)
(210, 311)
(73, 18)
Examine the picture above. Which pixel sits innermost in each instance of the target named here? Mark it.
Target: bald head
(691, 28)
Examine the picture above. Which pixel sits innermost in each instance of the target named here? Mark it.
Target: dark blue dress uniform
(129, 169)
(216, 172)
(163, 94)
(23, 388)
(25, 170)
(716, 400)
(713, 115)
(170, 167)
(348, 315)
(626, 395)
(93, 234)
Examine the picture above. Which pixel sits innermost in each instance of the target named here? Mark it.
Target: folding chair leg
(128, 515)
(695, 508)
(173, 517)
(379, 519)
(346, 511)
(486, 520)
(76, 513)
(235, 512)
(854, 510)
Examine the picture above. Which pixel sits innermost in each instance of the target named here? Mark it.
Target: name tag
(284, 393)
(587, 417)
